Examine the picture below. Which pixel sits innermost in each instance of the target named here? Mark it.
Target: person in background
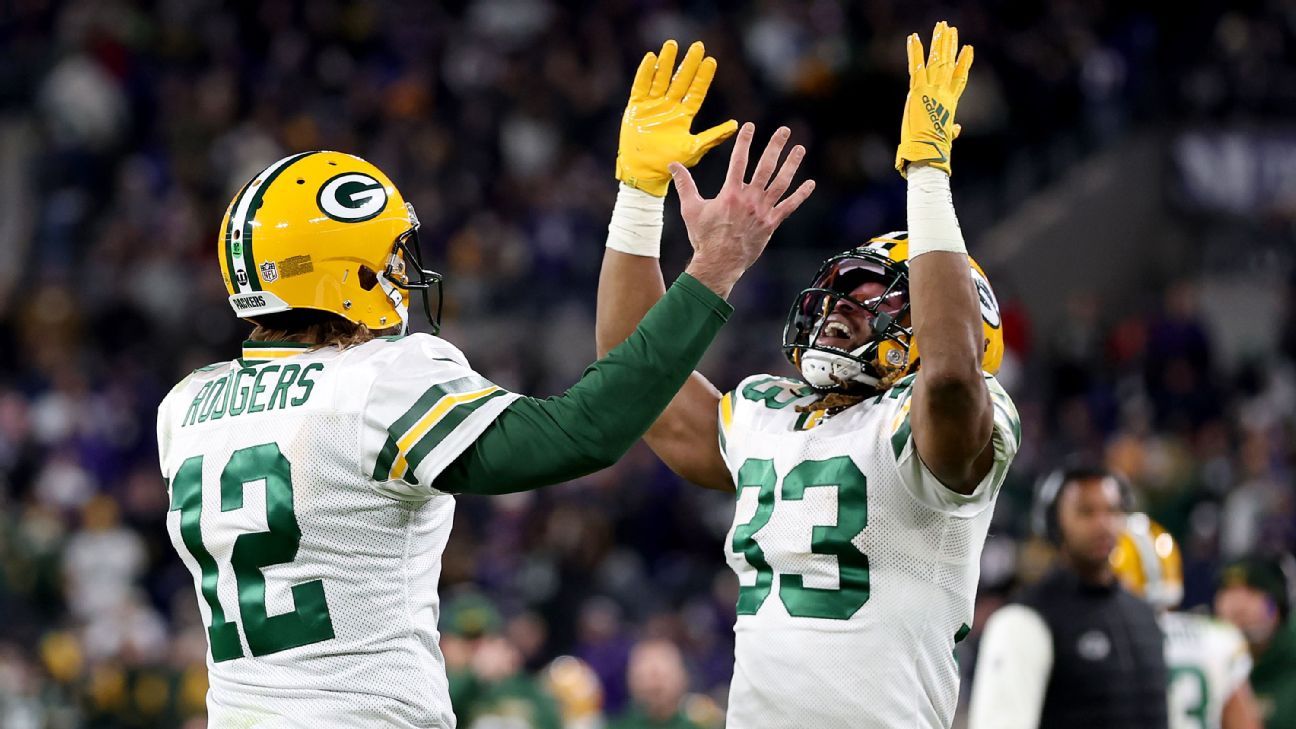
(1255, 594)
(488, 687)
(1207, 658)
(577, 689)
(657, 684)
(1076, 649)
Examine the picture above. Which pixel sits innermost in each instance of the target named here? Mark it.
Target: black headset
(1044, 514)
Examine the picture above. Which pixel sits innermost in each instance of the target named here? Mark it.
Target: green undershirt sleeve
(536, 442)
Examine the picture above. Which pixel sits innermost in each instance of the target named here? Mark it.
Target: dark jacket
(1108, 656)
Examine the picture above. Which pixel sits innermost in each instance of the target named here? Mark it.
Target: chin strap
(394, 295)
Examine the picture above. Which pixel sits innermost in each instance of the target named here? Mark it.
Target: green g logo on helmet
(352, 197)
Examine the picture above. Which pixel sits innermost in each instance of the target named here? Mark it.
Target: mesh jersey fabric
(319, 502)
(1208, 660)
(848, 619)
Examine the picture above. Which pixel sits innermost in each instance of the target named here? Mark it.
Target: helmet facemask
(873, 363)
(406, 256)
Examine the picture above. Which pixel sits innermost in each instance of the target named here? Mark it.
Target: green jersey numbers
(835, 539)
(186, 497)
(775, 392)
(757, 474)
(1189, 697)
(309, 622)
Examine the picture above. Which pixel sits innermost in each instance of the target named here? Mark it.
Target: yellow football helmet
(893, 351)
(576, 687)
(325, 231)
(1147, 562)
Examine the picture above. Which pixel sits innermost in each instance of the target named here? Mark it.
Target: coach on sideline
(1076, 649)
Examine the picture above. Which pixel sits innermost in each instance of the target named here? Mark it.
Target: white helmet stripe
(239, 236)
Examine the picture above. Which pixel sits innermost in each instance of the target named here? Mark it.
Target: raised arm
(538, 442)
(685, 437)
(952, 416)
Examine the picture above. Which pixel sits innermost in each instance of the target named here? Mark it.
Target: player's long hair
(317, 328)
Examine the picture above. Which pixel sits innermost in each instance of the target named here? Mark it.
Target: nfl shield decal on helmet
(269, 271)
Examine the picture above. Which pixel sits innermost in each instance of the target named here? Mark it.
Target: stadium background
(1126, 177)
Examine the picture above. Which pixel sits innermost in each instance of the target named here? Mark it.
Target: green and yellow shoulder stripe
(434, 415)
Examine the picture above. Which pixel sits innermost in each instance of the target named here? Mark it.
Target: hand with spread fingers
(655, 127)
(730, 231)
(928, 129)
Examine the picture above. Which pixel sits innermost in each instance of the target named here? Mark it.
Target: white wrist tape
(636, 226)
(933, 226)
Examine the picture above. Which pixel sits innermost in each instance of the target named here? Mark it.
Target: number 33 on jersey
(857, 568)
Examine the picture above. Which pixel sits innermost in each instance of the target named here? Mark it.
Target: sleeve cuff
(723, 309)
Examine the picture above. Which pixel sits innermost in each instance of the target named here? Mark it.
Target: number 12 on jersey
(309, 622)
(835, 540)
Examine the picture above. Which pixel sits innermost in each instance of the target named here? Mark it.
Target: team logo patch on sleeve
(352, 197)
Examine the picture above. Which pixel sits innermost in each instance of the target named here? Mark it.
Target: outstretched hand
(927, 129)
(730, 231)
(655, 129)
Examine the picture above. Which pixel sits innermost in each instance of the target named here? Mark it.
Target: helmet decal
(269, 272)
(989, 304)
(352, 197)
(237, 236)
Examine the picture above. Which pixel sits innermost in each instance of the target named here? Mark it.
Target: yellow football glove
(928, 127)
(655, 128)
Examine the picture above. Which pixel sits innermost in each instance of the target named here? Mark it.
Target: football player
(310, 479)
(1207, 658)
(864, 488)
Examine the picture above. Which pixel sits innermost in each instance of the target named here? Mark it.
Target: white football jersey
(1207, 660)
(858, 568)
(303, 502)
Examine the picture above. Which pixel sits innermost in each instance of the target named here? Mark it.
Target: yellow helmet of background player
(1147, 562)
(324, 231)
(893, 350)
(576, 687)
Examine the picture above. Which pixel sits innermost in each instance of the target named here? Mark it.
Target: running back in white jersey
(858, 569)
(1207, 660)
(302, 501)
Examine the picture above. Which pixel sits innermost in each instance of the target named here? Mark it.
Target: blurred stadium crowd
(126, 127)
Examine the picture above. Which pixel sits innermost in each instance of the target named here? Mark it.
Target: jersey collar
(258, 352)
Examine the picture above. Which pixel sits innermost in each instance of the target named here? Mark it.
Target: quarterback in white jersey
(865, 488)
(310, 479)
(1208, 661)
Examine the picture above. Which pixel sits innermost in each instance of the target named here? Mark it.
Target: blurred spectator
(577, 690)
(126, 126)
(1255, 594)
(657, 685)
(488, 686)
